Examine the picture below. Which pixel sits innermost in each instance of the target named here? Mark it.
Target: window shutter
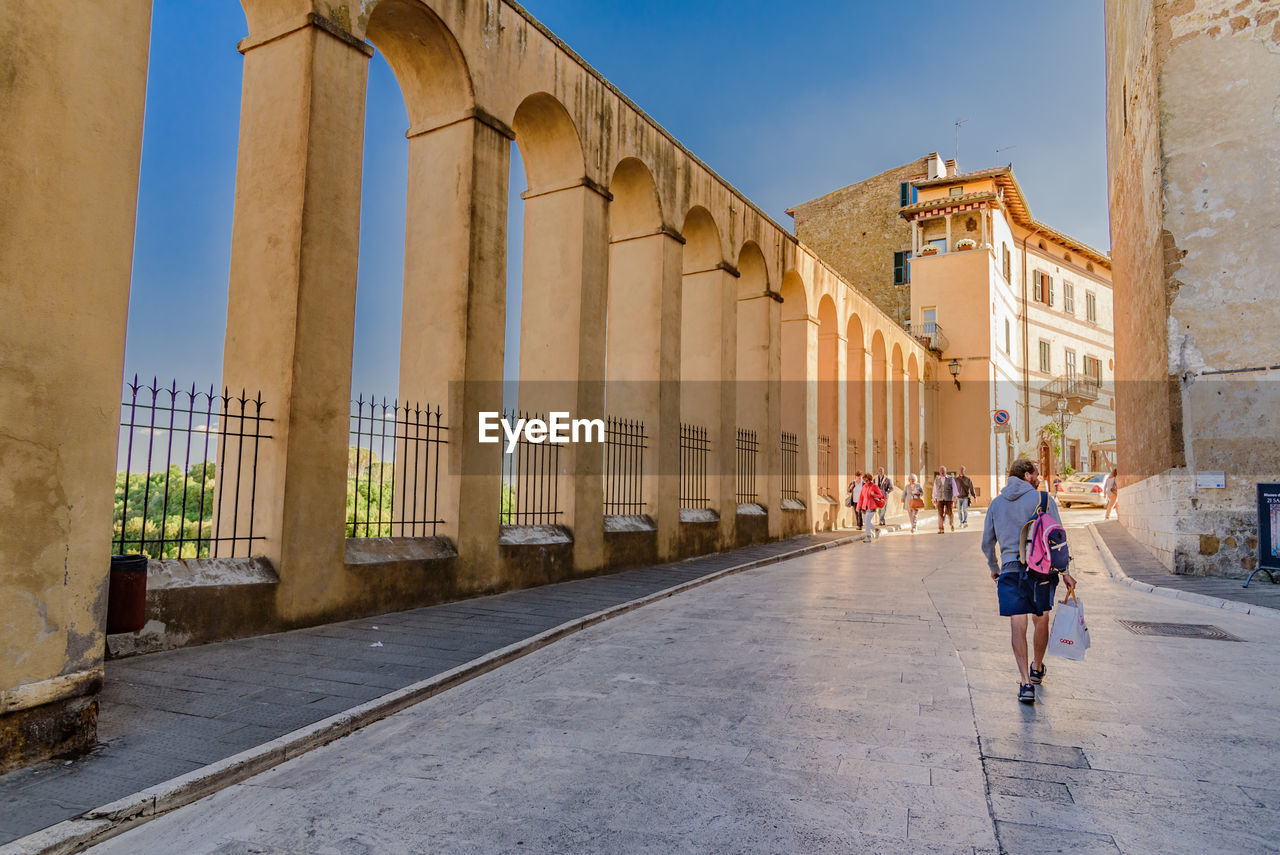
(1049, 290)
(1038, 278)
(904, 194)
(899, 268)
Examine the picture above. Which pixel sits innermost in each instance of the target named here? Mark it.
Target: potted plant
(965, 243)
(928, 249)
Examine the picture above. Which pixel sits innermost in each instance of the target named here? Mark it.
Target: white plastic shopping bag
(1069, 636)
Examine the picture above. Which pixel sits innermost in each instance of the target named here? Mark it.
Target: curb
(102, 823)
(1118, 575)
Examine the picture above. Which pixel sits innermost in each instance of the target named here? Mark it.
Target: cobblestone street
(855, 699)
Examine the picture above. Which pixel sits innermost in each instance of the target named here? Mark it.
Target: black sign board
(1269, 526)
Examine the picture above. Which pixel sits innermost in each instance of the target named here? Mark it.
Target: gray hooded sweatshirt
(1006, 515)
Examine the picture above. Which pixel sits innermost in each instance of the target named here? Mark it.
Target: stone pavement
(859, 699)
(1142, 566)
(168, 714)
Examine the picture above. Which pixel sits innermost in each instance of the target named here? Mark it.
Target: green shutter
(904, 194)
(899, 268)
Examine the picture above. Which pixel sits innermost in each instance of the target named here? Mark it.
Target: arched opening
(633, 348)
(753, 335)
(415, 225)
(552, 268)
(856, 448)
(703, 291)
(880, 437)
(897, 390)
(828, 393)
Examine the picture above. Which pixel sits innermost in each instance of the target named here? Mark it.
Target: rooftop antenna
(959, 122)
(1006, 148)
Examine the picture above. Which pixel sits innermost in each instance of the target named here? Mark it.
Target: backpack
(1042, 544)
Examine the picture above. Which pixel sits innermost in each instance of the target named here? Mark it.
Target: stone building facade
(1192, 137)
(856, 230)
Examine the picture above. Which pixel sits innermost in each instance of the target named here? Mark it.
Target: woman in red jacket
(870, 499)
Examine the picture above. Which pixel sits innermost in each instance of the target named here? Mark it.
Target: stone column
(907, 430)
(644, 363)
(724, 452)
(950, 248)
(70, 143)
(562, 341)
(291, 309)
(453, 327)
(840, 462)
(802, 380)
(771, 448)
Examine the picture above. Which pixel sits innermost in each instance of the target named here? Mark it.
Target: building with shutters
(1020, 313)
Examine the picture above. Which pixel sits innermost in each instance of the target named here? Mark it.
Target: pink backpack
(1042, 544)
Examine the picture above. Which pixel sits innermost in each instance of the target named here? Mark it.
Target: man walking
(886, 487)
(964, 495)
(944, 497)
(1018, 593)
(855, 488)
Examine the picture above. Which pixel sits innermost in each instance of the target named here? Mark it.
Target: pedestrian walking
(944, 493)
(855, 487)
(964, 495)
(870, 499)
(1020, 595)
(1111, 488)
(913, 494)
(886, 486)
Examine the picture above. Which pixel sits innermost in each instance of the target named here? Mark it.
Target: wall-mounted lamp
(954, 368)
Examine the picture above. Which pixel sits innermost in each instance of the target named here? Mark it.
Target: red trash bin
(127, 594)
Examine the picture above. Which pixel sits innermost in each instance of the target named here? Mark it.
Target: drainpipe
(1026, 346)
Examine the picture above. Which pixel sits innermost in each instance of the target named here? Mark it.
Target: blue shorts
(1019, 595)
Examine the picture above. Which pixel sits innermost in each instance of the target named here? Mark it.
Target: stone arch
(828, 392)
(633, 345)
(702, 290)
(426, 60)
(856, 394)
(549, 144)
(880, 437)
(897, 392)
(642, 259)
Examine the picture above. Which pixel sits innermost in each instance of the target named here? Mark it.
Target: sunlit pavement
(860, 699)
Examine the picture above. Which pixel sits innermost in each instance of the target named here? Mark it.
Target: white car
(1083, 488)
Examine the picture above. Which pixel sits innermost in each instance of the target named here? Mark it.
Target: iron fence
(393, 469)
(851, 455)
(530, 479)
(747, 454)
(196, 509)
(624, 447)
(695, 453)
(825, 485)
(790, 466)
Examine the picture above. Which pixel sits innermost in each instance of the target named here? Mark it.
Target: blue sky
(785, 101)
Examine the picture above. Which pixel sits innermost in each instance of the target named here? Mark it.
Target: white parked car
(1083, 488)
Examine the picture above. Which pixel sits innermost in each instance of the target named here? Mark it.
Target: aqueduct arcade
(653, 292)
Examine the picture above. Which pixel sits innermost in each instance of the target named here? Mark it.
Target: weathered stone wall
(857, 230)
(1192, 136)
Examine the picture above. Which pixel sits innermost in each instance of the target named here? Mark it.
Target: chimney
(937, 169)
(952, 168)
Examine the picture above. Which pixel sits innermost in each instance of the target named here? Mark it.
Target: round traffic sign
(1000, 417)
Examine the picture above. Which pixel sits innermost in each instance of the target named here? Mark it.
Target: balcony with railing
(1080, 390)
(930, 335)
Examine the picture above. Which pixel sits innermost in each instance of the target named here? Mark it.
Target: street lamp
(954, 367)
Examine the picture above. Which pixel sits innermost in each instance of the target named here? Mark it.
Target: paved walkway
(167, 714)
(1141, 565)
(859, 699)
